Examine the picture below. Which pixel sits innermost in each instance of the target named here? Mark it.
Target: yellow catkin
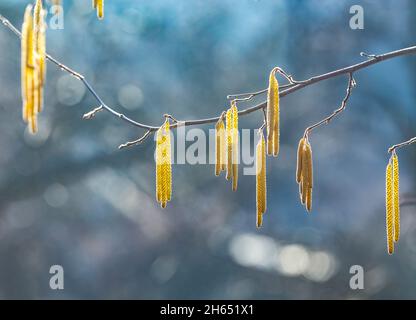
(158, 170)
(299, 160)
(39, 38)
(235, 146)
(94, 4)
(168, 163)
(24, 57)
(309, 177)
(219, 146)
(28, 70)
(396, 198)
(304, 180)
(304, 174)
(389, 208)
(273, 115)
(163, 165)
(223, 151)
(100, 9)
(229, 138)
(261, 188)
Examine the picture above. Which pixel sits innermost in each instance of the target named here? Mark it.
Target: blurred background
(69, 197)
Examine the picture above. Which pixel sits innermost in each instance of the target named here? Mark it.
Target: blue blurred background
(69, 197)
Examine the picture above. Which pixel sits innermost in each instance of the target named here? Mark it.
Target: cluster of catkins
(226, 145)
(227, 153)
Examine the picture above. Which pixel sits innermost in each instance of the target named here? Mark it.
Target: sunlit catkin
(304, 173)
(219, 146)
(389, 208)
(273, 115)
(163, 165)
(99, 4)
(28, 70)
(229, 137)
(299, 160)
(261, 188)
(235, 146)
(396, 198)
(39, 37)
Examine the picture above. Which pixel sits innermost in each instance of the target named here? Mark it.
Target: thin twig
(250, 95)
(327, 120)
(290, 89)
(135, 142)
(92, 113)
(80, 77)
(402, 144)
(168, 116)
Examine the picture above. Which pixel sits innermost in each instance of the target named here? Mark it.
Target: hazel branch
(289, 88)
(402, 144)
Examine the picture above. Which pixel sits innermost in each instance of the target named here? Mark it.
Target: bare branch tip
(92, 113)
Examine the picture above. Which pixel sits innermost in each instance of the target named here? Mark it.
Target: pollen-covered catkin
(28, 70)
(219, 146)
(309, 177)
(389, 208)
(40, 53)
(304, 173)
(299, 160)
(273, 115)
(235, 146)
(261, 188)
(229, 136)
(23, 58)
(396, 198)
(163, 165)
(100, 9)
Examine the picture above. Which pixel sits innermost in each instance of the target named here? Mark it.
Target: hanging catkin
(389, 207)
(39, 38)
(219, 146)
(235, 146)
(273, 115)
(99, 5)
(163, 165)
(304, 173)
(261, 188)
(396, 199)
(28, 70)
(299, 160)
(229, 136)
